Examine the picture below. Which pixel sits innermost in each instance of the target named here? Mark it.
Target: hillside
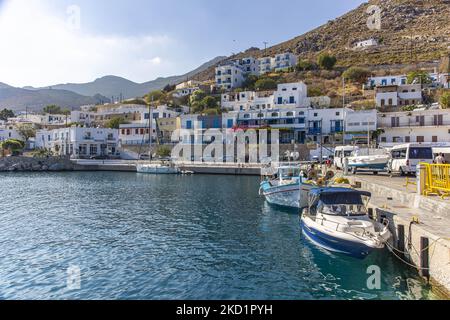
(412, 31)
(18, 99)
(115, 86)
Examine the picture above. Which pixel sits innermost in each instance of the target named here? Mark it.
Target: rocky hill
(412, 31)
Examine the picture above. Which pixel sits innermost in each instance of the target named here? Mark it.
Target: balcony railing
(314, 131)
(414, 124)
(336, 129)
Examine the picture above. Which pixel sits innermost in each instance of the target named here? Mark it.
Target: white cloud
(40, 47)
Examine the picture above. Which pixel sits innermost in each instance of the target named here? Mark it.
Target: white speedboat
(157, 168)
(375, 161)
(336, 220)
(284, 189)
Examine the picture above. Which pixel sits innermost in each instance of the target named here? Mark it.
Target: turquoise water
(169, 237)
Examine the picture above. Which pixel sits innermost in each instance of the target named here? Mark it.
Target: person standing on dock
(440, 159)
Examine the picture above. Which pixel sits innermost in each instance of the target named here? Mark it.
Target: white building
(366, 44)
(331, 122)
(386, 81)
(44, 120)
(8, 132)
(394, 96)
(286, 95)
(79, 142)
(279, 62)
(415, 126)
(188, 84)
(291, 95)
(179, 93)
(131, 113)
(229, 75)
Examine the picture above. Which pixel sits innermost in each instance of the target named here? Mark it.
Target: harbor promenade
(420, 225)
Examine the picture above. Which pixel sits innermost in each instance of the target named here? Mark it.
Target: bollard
(424, 258)
(401, 240)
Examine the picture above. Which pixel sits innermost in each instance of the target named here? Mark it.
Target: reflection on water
(170, 237)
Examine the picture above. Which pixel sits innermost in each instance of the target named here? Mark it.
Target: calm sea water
(169, 237)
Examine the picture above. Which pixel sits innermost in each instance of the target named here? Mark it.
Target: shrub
(445, 100)
(326, 61)
(356, 74)
(266, 84)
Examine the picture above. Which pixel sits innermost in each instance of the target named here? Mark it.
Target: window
(316, 114)
(246, 116)
(280, 100)
(289, 114)
(338, 114)
(189, 124)
(291, 100)
(383, 102)
(434, 139)
(395, 122)
(438, 120)
(420, 139)
(390, 101)
(93, 149)
(275, 114)
(421, 153)
(407, 139)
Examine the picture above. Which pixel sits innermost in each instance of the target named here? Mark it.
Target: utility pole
(265, 47)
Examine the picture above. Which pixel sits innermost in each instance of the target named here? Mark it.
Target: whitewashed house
(394, 96)
(431, 125)
(291, 95)
(9, 132)
(278, 62)
(366, 44)
(397, 80)
(327, 123)
(79, 142)
(229, 75)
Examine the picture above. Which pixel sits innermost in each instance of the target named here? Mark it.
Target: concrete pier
(420, 225)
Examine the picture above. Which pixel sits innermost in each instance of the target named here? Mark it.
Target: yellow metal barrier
(437, 179)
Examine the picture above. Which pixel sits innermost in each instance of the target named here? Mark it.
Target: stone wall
(35, 164)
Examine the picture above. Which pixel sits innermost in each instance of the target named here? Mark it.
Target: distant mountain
(100, 91)
(18, 99)
(110, 86)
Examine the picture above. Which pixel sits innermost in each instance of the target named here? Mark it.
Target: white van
(406, 157)
(343, 152)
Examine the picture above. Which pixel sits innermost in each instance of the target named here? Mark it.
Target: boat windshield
(289, 173)
(342, 204)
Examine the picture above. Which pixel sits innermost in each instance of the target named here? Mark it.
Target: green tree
(115, 122)
(326, 61)
(305, 65)
(356, 74)
(163, 151)
(421, 77)
(445, 100)
(156, 95)
(314, 92)
(265, 84)
(197, 96)
(26, 131)
(249, 82)
(5, 114)
(53, 109)
(14, 146)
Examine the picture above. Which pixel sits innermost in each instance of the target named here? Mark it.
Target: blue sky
(57, 41)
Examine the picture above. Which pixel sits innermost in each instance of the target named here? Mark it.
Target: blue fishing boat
(336, 219)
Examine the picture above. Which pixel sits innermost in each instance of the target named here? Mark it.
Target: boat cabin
(338, 202)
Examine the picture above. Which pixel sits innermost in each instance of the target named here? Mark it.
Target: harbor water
(134, 236)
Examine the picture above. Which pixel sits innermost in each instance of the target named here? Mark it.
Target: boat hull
(284, 196)
(335, 244)
(150, 169)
